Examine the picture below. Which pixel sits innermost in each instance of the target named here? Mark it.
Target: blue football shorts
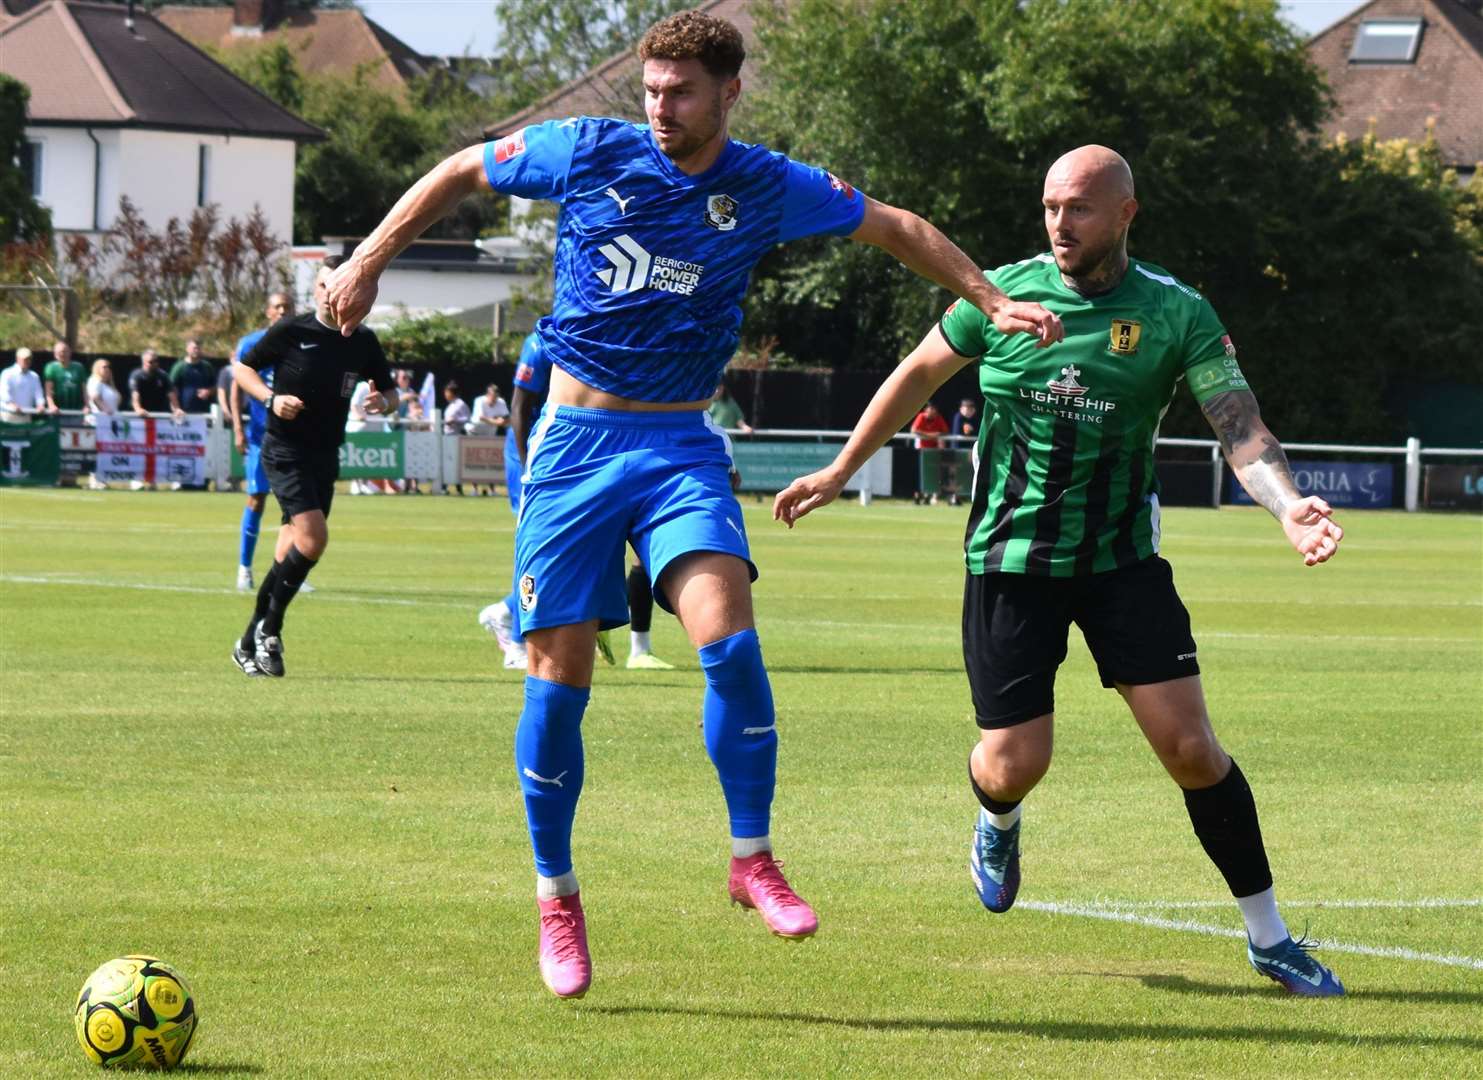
(596, 479)
(514, 467)
(252, 468)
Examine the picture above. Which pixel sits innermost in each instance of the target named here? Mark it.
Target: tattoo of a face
(1253, 452)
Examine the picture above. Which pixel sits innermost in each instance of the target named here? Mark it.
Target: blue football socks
(740, 729)
(251, 522)
(548, 758)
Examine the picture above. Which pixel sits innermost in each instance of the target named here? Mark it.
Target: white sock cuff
(744, 846)
(549, 888)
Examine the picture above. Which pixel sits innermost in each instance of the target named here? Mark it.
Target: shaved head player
(1065, 528)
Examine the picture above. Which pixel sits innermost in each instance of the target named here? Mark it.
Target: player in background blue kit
(249, 440)
(660, 227)
(532, 377)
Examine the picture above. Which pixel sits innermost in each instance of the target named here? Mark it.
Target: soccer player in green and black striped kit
(1065, 527)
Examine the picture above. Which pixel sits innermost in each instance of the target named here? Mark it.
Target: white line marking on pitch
(319, 596)
(1404, 905)
(1185, 925)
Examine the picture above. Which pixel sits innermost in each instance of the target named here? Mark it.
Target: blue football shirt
(651, 265)
(533, 373)
(257, 412)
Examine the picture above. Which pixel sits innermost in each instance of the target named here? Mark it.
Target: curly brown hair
(694, 35)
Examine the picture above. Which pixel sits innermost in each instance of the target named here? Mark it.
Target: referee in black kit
(314, 370)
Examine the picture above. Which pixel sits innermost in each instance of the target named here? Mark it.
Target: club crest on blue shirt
(720, 212)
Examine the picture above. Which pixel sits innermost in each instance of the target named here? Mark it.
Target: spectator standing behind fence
(150, 390)
(929, 422)
(403, 377)
(100, 398)
(964, 424)
(21, 395)
(63, 379)
(726, 413)
(491, 414)
(455, 418)
(194, 379)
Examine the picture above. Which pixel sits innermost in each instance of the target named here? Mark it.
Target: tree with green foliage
(379, 142)
(21, 216)
(547, 43)
(1317, 257)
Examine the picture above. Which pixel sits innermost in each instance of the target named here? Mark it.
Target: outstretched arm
(352, 287)
(921, 247)
(1257, 459)
(927, 367)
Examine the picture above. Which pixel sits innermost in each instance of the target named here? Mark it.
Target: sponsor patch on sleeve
(841, 186)
(1230, 346)
(510, 146)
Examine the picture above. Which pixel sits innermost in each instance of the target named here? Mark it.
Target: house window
(30, 163)
(203, 172)
(1386, 41)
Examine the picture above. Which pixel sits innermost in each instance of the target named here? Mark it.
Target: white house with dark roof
(123, 106)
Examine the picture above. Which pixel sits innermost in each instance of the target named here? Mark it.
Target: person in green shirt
(726, 413)
(64, 379)
(1064, 528)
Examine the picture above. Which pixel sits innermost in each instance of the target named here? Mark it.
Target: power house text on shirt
(651, 264)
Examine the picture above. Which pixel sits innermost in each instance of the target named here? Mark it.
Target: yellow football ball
(135, 1012)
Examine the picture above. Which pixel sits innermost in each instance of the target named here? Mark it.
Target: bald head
(1093, 169)
(1089, 205)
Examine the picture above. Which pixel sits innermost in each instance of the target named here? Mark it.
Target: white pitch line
(1188, 927)
(919, 628)
(320, 596)
(1403, 905)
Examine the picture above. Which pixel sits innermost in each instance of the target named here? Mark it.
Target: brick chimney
(252, 17)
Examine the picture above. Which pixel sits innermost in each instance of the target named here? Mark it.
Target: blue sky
(451, 27)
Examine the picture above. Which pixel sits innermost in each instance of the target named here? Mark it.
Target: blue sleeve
(533, 372)
(815, 202)
(533, 162)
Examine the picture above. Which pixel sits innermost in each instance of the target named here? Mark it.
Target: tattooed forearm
(1254, 454)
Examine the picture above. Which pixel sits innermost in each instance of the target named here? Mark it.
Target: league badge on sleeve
(720, 212)
(1230, 346)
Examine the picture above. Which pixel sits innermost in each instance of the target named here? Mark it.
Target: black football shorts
(301, 480)
(1015, 628)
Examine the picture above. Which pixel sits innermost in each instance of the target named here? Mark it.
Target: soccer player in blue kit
(532, 378)
(660, 227)
(249, 442)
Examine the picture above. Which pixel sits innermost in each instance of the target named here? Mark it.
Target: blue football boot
(1289, 963)
(994, 862)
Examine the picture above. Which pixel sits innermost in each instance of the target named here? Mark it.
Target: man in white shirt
(21, 393)
(491, 414)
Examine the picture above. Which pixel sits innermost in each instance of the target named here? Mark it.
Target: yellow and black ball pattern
(136, 1012)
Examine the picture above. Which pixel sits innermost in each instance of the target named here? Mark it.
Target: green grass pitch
(338, 861)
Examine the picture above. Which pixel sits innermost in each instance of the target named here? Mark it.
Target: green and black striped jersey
(1065, 481)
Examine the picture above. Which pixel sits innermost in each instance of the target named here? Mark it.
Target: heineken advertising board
(364, 455)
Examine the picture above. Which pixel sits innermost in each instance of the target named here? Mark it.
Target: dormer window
(1386, 41)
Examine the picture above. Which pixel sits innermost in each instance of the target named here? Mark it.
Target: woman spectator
(101, 398)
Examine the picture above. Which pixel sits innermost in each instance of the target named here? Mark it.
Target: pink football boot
(566, 966)
(757, 882)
